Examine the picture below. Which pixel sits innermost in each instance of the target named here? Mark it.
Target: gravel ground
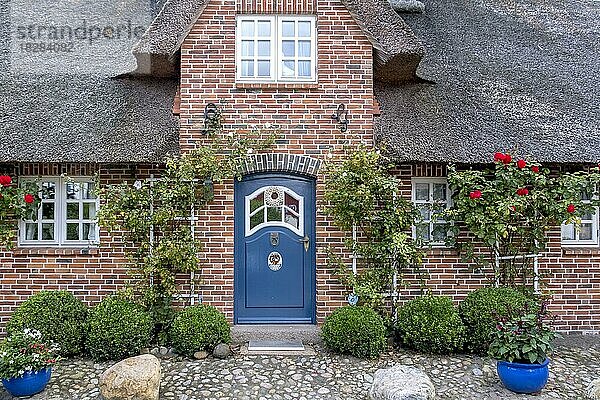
(326, 376)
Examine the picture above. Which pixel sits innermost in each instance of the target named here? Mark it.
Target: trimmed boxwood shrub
(58, 315)
(117, 329)
(199, 327)
(358, 331)
(430, 324)
(477, 311)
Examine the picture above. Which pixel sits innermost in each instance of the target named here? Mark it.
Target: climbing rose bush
(511, 205)
(16, 202)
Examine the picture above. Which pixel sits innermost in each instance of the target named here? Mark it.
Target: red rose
(5, 180)
(498, 157)
(29, 198)
(521, 164)
(507, 159)
(513, 208)
(571, 208)
(535, 169)
(475, 194)
(522, 192)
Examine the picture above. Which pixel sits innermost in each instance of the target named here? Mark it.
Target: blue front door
(274, 250)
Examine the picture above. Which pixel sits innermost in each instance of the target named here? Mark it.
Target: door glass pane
(264, 48)
(274, 214)
(304, 28)
(48, 190)
(439, 192)
(422, 191)
(31, 231)
(47, 210)
(304, 68)
(72, 231)
(304, 48)
(89, 210)
(47, 231)
(287, 29)
(288, 48)
(257, 219)
(264, 68)
(288, 68)
(292, 203)
(256, 202)
(247, 48)
(247, 28)
(264, 28)
(247, 68)
(291, 219)
(72, 210)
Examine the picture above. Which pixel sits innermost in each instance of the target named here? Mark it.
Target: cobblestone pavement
(326, 376)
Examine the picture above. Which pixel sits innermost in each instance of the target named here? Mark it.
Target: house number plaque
(274, 261)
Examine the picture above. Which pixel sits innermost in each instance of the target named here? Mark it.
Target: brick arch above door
(280, 162)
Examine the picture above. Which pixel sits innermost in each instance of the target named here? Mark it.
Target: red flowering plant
(16, 202)
(24, 352)
(510, 208)
(523, 336)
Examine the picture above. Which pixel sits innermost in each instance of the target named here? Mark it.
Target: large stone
(135, 378)
(593, 390)
(401, 382)
(222, 351)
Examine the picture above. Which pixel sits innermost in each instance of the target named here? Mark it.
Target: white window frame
(60, 214)
(593, 242)
(430, 182)
(276, 57)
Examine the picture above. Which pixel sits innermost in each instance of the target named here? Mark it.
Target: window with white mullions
(66, 216)
(296, 48)
(432, 197)
(256, 47)
(584, 233)
(276, 48)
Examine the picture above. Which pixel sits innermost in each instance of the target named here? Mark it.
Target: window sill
(46, 250)
(277, 85)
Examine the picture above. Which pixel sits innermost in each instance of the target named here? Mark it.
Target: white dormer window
(276, 48)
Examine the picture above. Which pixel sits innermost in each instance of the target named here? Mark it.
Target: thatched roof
(397, 51)
(508, 75)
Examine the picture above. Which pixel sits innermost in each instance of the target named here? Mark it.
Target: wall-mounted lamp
(212, 118)
(341, 116)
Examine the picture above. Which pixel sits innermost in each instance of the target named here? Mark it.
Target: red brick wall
(300, 112)
(570, 275)
(91, 274)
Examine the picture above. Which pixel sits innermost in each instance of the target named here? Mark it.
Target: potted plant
(521, 345)
(26, 362)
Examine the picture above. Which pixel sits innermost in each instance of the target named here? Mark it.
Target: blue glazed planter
(28, 384)
(523, 378)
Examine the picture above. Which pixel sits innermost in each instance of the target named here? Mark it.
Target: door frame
(239, 240)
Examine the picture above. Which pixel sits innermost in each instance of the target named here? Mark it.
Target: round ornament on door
(274, 261)
(274, 196)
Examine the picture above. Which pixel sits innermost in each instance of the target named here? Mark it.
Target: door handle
(306, 242)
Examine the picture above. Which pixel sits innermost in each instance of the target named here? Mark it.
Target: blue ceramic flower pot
(28, 384)
(523, 378)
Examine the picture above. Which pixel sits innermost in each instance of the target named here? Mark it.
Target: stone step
(275, 345)
(308, 334)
